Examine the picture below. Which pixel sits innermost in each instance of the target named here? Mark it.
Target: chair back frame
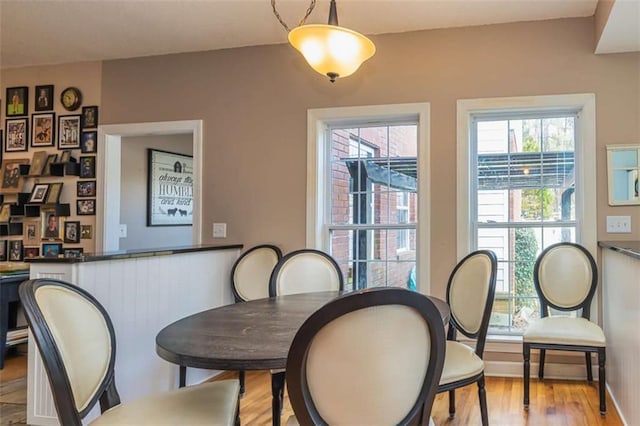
(299, 394)
(454, 326)
(545, 303)
(275, 249)
(52, 359)
(273, 281)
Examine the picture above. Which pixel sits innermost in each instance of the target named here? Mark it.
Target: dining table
(253, 335)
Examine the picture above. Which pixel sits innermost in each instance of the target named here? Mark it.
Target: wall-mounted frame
(51, 249)
(169, 189)
(39, 193)
(16, 134)
(53, 195)
(31, 232)
(68, 131)
(44, 98)
(43, 129)
(72, 231)
(86, 232)
(17, 101)
(86, 188)
(15, 250)
(86, 207)
(623, 173)
(50, 225)
(5, 210)
(88, 144)
(46, 170)
(12, 180)
(38, 161)
(88, 167)
(31, 252)
(90, 117)
(3, 250)
(73, 252)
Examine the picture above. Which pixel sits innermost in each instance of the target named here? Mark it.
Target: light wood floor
(553, 402)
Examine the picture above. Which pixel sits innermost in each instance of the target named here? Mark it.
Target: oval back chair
(305, 271)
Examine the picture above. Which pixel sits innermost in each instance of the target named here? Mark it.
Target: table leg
(183, 377)
(277, 392)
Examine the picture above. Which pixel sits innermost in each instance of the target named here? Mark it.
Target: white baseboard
(615, 404)
(551, 370)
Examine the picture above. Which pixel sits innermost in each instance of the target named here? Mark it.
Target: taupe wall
(254, 102)
(133, 193)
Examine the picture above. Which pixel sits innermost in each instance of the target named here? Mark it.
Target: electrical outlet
(219, 230)
(619, 224)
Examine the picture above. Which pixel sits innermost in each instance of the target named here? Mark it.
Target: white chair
(301, 271)
(77, 344)
(373, 357)
(565, 277)
(470, 293)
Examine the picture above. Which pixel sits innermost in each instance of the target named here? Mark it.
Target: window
(526, 190)
(366, 186)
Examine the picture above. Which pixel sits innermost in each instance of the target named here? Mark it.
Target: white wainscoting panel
(142, 295)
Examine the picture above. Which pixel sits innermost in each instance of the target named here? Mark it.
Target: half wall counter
(143, 291)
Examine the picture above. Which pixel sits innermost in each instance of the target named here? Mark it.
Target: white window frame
(585, 155)
(406, 207)
(318, 192)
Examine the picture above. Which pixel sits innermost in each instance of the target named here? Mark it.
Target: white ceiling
(38, 32)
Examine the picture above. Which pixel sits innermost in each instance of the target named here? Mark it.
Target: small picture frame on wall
(15, 250)
(31, 252)
(72, 231)
(86, 188)
(31, 232)
(46, 170)
(90, 117)
(43, 129)
(16, 134)
(39, 193)
(3, 250)
(38, 161)
(68, 131)
(17, 100)
(73, 252)
(51, 249)
(88, 167)
(12, 180)
(65, 156)
(86, 232)
(5, 212)
(88, 144)
(44, 98)
(86, 207)
(50, 225)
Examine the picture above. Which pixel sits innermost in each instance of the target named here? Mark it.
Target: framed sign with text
(169, 189)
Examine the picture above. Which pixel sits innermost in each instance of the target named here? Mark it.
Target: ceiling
(40, 32)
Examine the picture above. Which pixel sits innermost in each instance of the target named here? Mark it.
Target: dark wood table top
(253, 335)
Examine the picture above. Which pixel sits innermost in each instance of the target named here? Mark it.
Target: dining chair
(77, 343)
(373, 357)
(565, 277)
(301, 271)
(250, 276)
(470, 292)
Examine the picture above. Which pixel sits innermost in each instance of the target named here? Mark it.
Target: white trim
(615, 404)
(108, 173)
(551, 370)
(317, 119)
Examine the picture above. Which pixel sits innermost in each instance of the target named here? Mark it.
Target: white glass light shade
(332, 50)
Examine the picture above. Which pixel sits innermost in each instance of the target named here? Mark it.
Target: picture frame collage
(53, 139)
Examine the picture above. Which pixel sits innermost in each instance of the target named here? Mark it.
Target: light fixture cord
(302, 21)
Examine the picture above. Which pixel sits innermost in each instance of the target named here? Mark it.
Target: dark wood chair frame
(107, 393)
(299, 395)
(480, 336)
(278, 379)
(585, 306)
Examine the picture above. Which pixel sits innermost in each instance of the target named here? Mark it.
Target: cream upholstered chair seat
(206, 404)
(372, 357)
(461, 362)
(565, 330)
(76, 340)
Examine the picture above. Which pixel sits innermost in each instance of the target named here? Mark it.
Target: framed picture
(43, 130)
(51, 249)
(31, 252)
(71, 231)
(15, 250)
(12, 180)
(86, 207)
(31, 232)
(68, 131)
(54, 192)
(88, 167)
(44, 98)
(86, 188)
(169, 189)
(39, 193)
(3, 250)
(86, 232)
(51, 158)
(90, 117)
(38, 162)
(65, 156)
(50, 225)
(88, 144)
(5, 210)
(17, 101)
(16, 134)
(72, 252)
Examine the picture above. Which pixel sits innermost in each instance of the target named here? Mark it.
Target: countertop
(131, 254)
(630, 248)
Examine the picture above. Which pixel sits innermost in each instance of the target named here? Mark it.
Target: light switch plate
(619, 224)
(123, 230)
(219, 230)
